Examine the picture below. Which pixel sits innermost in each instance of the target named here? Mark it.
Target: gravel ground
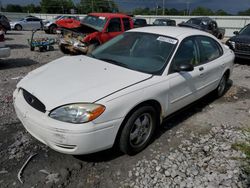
(191, 149)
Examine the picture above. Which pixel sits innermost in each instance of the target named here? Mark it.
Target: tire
(63, 49)
(47, 31)
(51, 48)
(135, 136)
(18, 27)
(91, 47)
(52, 29)
(32, 48)
(222, 87)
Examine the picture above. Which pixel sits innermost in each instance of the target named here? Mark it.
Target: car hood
(241, 39)
(78, 79)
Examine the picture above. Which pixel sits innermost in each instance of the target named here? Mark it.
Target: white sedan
(123, 90)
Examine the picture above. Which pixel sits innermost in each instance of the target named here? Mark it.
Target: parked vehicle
(164, 22)
(68, 23)
(240, 43)
(205, 24)
(122, 91)
(50, 26)
(4, 22)
(139, 22)
(95, 29)
(28, 23)
(4, 51)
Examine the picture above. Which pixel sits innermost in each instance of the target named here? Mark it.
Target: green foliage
(87, 6)
(245, 148)
(13, 8)
(221, 12)
(244, 13)
(56, 6)
(201, 11)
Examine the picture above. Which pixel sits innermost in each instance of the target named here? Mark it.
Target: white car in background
(4, 51)
(28, 23)
(123, 90)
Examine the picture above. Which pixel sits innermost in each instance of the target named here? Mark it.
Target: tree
(31, 8)
(13, 8)
(221, 12)
(201, 11)
(244, 13)
(87, 6)
(56, 6)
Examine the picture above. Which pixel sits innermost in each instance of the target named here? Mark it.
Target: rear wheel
(138, 130)
(18, 27)
(63, 49)
(221, 89)
(52, 29)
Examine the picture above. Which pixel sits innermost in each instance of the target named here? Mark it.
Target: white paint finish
(84, 79)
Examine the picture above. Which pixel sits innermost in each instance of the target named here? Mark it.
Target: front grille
(33, 101)
(241, 47)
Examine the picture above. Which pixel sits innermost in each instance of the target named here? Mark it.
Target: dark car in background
(205, 24)
(139, 22)
(164, 22)
(240, 43)
(4, 22)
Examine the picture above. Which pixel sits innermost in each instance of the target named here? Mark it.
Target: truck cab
(95, 29)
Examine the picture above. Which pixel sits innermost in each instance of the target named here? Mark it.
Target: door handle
(201, 68)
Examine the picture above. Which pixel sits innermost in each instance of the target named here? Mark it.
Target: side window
(29, 19)
(209, 49)
(114, 25)
(186, 53)
(126, 24)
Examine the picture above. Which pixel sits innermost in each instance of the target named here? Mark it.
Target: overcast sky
(231, 6)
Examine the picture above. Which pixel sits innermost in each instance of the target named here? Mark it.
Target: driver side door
(113, 29)
(184, 85)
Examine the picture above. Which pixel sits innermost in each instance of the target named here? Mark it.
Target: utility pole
(163, 7)
(92, 5)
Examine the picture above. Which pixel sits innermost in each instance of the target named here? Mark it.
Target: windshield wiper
(114, 62)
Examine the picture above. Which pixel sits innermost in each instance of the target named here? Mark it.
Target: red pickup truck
(95, 29)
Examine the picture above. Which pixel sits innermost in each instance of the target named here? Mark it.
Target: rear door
(211, 63)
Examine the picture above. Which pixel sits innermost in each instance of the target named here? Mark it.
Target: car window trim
(202, 48)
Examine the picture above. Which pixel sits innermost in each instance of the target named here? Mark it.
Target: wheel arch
(154, 103)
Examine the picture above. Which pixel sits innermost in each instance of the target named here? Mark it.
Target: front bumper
(74, 47)
(75, 139)
(242, 55)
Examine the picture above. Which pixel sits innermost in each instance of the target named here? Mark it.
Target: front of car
(240, 43)
(14, 23)
(80, 103)
(76, 41)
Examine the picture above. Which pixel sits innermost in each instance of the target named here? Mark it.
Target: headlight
(232, 43)
(77, 113)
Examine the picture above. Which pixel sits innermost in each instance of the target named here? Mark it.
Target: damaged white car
(122, 91)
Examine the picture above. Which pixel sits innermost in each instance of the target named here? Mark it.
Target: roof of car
(109, 15)
(171, 31)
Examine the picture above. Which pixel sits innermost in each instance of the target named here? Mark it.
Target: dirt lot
(192, 149)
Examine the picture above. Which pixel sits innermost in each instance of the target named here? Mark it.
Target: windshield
(245, 30)
(144, 52)
(98, 22)
(194, 21)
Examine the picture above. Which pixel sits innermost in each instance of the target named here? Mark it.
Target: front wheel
(18, 27)
(138, 130)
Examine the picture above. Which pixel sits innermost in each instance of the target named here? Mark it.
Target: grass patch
(245, 148)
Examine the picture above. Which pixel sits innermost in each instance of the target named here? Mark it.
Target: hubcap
(141, 130)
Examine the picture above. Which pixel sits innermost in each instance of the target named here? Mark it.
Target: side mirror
(236, 32)
(184, 67)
